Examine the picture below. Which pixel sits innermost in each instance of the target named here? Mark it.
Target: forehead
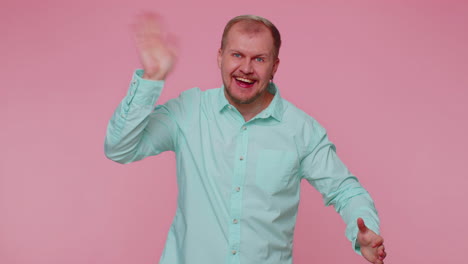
(250, 36)
(250, 27)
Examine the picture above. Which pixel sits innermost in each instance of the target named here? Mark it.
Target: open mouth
(244, 82)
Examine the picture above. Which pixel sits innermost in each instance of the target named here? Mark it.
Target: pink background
(388, 79)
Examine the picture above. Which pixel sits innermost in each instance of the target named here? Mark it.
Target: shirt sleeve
(137, 129)
(322, 168)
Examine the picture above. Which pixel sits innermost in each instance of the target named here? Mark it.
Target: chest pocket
(275, 170)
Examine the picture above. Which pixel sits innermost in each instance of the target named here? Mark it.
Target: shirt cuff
(143, 91)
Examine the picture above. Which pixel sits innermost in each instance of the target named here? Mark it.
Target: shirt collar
(274, 109)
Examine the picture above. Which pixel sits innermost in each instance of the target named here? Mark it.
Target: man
(241, 153)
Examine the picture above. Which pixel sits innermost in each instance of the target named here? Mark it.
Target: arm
(325, 171)
(135, 130)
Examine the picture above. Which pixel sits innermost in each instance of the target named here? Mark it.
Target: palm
(156, 55)
(371, 244)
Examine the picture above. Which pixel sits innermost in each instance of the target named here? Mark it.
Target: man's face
(247, 64)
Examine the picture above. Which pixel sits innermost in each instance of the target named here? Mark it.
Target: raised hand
(372, 247)
(157, 55)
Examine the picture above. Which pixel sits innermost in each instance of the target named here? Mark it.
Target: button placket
(236, 195)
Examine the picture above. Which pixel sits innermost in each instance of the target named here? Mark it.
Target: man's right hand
(157, 56)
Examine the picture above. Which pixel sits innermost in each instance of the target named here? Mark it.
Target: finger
(378, 242)
(149, 19)
(381, 248)
(362, 227)
(382, 253)
(148, 24)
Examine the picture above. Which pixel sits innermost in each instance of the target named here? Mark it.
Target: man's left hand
(371, 244)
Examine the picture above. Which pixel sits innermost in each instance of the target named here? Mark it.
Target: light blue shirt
(238, 181)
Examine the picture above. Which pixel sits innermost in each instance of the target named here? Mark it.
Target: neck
(249, 111)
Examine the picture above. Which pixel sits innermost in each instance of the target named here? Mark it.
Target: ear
(275, 66)
(220, 57)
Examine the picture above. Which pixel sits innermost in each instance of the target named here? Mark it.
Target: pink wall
(388, 79)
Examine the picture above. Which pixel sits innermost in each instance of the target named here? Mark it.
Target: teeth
(244, 80)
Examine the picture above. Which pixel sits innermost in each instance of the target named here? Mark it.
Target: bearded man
(241, 153)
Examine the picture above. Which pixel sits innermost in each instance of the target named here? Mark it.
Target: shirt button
(241, 158)
(122, 115)
(234, 252)
(230, 107)
(235, 221)
(237, 189)
(133, 83)
(244, 128)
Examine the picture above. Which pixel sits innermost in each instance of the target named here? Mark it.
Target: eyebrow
(237, 51)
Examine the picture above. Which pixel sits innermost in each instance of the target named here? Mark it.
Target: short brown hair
(254, 20)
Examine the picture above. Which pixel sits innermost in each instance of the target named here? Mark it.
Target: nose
(246, 66)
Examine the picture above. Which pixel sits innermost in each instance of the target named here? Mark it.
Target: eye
(237, 55)
(258, 59)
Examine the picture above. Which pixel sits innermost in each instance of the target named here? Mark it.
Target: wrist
(153, 76)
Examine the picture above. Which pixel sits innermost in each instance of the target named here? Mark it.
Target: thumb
(362, 227)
